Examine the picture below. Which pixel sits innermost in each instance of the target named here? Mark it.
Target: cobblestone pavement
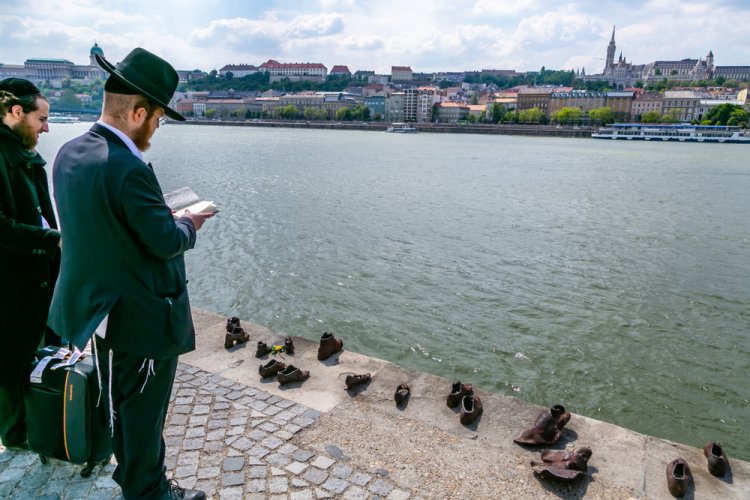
(223, 437)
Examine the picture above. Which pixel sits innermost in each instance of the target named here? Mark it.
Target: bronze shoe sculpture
(678, 476)
(717, 459)
(562, 464)
(329, 345)
(288, 345)
(271, 369)
(547, 428)
(292, 374)
(355, 380)
(402, 394)
(237, 335)
(232, 322)
(471, 408)
(458, 391)
(262, 349)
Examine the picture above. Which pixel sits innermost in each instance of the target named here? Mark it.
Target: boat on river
(682, 132)
(401, 128)
(63, 119)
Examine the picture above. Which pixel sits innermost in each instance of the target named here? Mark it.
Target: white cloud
(311, 26)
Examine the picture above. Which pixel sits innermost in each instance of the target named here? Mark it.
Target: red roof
(340, 69)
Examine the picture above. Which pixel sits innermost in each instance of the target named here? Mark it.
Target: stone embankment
(235, 435)
(530, 130)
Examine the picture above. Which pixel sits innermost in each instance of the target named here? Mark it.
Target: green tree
(720, 80)
(497, 112)
(727, 114)
(533, 115)
(567, 115)
(210, 113)
(289, 112)
(69, 99)
(343, 114)
(511, 117)
(229, 75)
(651, 117)
(601, 115)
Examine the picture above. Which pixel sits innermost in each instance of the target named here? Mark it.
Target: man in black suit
(123, 272)
(29, 254)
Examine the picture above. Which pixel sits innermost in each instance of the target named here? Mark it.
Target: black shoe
(175, 491)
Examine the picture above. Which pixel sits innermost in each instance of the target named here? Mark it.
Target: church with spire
(626, 74)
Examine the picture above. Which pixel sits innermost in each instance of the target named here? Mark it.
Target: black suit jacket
(122, 251)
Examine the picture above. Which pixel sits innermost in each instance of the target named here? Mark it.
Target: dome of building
(96, 50)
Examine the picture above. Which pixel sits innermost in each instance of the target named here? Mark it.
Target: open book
(186, 199)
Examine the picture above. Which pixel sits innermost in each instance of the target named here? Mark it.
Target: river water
(610, 277)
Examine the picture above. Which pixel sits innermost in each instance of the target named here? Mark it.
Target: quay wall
(529, 130)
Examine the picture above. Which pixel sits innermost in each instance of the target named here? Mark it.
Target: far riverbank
(529, 130)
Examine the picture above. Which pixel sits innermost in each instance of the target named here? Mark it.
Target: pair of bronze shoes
(329, 345)
(235, 334)
(471, 405)
(547, 429)
(263, 348)
(563, 465)
(678, 471)
(353, 381)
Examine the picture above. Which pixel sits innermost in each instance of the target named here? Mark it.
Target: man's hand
(198, 219)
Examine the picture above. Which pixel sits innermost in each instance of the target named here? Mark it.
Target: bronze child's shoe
(471, 408)
(402, 394)
(717, 459)
(232, 322)
(545, 429)
(288, 345)
(678, 474)
(237, 335)
(262, 349)
(458, 391)
(271, 369)
(329, 345)
(292, 374)
(355, 380)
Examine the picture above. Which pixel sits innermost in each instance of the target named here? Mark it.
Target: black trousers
(140, 400)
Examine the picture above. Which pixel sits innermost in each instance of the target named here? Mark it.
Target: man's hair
(118, 106)
(28, 103)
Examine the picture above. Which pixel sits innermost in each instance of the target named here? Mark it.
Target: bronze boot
(329, 345)
(237, 335)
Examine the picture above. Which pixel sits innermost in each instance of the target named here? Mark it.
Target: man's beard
(142, 137)
(26, 133)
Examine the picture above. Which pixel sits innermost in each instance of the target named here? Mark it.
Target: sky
(426, 35)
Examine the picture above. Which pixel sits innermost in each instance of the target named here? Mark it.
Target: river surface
(610, 277)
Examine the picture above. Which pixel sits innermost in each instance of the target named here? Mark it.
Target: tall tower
(610, 54)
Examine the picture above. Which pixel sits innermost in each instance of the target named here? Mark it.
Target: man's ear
(140, 115)
(17, 111)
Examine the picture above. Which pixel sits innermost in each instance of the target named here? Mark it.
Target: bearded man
(29, 247)
(123, 271)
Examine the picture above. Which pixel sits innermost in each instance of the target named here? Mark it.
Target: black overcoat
(122, 251)
(29, 255)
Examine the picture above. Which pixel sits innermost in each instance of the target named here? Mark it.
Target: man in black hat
(123, 272)
(29, 254)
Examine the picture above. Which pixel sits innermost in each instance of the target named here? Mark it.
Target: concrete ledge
(424, 448)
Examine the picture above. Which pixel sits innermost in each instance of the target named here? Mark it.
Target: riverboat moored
(674, 132)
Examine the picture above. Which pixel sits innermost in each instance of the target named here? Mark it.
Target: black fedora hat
(148, 75)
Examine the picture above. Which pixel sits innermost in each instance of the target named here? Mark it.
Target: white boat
(683, 132)
(401, 128)
(63, 119)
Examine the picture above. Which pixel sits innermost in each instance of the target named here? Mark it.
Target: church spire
(610, 61)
